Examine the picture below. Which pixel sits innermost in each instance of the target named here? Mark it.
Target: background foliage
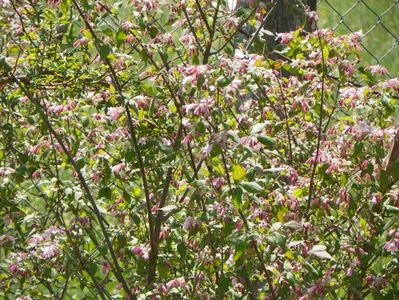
(377, 18)
(150, 150)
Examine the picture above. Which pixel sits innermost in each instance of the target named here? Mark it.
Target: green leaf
(104, 51)
(238, 172)
(93, 268)
(120, 38)
(4, 64)
(224, 81)
(237, 197)
(266, 141)
(165, 13)
(80, 163)
(105, 193)
(392, 209)
(291, 278)
(395, 170)
(326, 53)
(181, 248)
(130, 155)
(258, 128)
(358, 148)
(320, 252)
(163, 271)
(293, 225)
(168, 208)
(251, 187)
(281, 240)
(239, 250)
(103, 249)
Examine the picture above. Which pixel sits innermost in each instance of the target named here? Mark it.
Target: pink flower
(57, 109)
(343, 196)
(188, 223)
(177, 282)
(35, 240)
(36, 174)
(312, 16)
(333, 168)
(50, 251)
(349, 272)
(141, 251)
(391, 246)
(100, 7)
(375, 200)
(292, 176)
(54, 3)
(114, 112)
(81, 42)
(204, 108)
(356, 37)
(118, 168)
(13, 268)
(105, 267)
(125, 25)
(187, 139)
(130, 39)
(6, 171)
(393, 83)
(52, 231)
(137, 250)
(285, 37)
(377, 70)
(24, 99)
(217, 182)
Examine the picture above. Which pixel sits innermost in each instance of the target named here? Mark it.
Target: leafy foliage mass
(150, 149)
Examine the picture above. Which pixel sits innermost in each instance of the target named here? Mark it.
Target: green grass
(378, 41)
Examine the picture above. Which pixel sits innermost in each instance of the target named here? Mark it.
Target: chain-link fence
(377, 19)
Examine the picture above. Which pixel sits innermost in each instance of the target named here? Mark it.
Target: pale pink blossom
(4, 171)
(54, 3)
(23, 298)
(81, 42)
(285, 37)
(140, 250)
(292, 176)
(36, 174)
(118, 168)
(24, 99)
(115, 112)
(356, 37)
(126, 25)
(50, 251)
(14, 270)
(177, 282)
(217, 182)
(105, 267)
(188, 223)
(187, 139)
(392, 246)
(377, 70)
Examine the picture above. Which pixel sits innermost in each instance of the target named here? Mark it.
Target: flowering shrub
(150, 150)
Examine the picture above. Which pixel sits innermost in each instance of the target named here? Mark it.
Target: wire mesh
(378, 21)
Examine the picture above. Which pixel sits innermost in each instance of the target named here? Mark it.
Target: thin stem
(134, 142)
(118, 270)
(253, 242)
(261, 26)
(320, 129)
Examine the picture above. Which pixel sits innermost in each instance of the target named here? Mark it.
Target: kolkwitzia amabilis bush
(147, 150)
